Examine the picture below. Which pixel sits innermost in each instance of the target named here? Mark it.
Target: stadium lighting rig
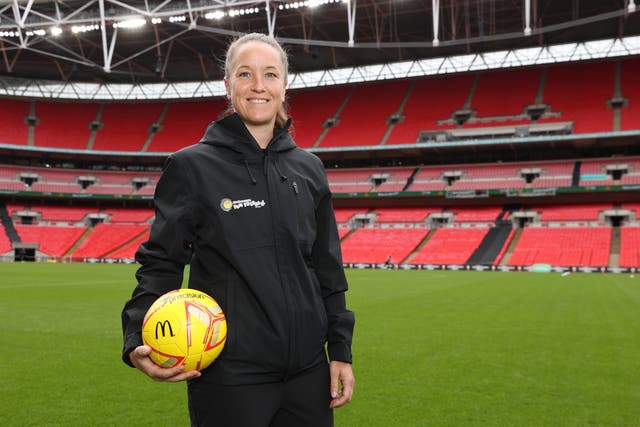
(25, 25)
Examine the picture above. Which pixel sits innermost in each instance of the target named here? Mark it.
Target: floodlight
(130, 23)
(55, 31)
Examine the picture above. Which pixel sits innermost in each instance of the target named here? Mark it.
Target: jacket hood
(231, 133)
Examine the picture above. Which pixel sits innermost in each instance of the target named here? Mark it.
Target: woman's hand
(341, 374)
(141, 360)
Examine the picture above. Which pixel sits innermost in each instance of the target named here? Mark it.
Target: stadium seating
(630, 247)
(62, 213)
(517, 89)
(131, 215)
(589, 113)
(375, 245)
(630, 115)
(126, 126)
(476, 214)
(563, 246)
(576, 212)
(404, 214)
(105, 238)
(5, 243)
(185, 123)
(54, 241)
(345, 214)
(128, 251)
(64, 124)
(13, 128)
(450, 246)
(356, 128)
(430, 101)
(311, 108)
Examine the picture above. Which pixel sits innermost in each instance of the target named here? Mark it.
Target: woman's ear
(227, 88)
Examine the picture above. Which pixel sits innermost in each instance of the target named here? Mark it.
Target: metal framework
(99, 35)
(410, 69)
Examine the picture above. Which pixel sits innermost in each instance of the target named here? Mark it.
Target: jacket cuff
(339, 352)
(130, 344)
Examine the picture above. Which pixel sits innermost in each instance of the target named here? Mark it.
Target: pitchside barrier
(536, 268)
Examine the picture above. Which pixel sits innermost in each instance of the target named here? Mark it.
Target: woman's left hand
(341, 374)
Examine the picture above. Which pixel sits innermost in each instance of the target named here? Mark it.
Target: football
(184, 327)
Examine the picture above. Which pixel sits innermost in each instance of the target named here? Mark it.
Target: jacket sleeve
(162, 258)
(327, 259)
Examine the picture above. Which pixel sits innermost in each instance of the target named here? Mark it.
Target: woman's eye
(271, 75)
(243, 74)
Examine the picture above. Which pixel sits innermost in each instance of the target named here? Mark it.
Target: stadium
(484, 158)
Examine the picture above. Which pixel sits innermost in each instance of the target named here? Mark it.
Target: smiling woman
(252, 214)
(255, 80)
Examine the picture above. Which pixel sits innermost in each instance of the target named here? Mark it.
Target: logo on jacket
(228, 204)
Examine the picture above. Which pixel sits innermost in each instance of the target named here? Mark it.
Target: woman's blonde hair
(281, 116)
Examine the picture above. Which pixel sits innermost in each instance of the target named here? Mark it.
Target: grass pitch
(430, 349)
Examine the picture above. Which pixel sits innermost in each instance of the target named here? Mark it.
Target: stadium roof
(165, 42)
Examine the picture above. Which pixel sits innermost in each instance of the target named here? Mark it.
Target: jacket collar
(231, 133)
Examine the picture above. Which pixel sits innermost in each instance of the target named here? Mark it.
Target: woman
(252, 214)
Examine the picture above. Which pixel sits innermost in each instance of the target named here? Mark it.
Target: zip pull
(295, 188)
(265, 162)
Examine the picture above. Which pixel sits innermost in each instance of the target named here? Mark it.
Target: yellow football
(184, 327)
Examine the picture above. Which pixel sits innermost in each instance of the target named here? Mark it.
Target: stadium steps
(398, 112)
(575, 176)
(614, 255)
(492, 244)
(94, 129)
(336, 117)
(410, 179)
(419, 247)
(155, 127)
(9, 228)
(78, 242)
(511, 247)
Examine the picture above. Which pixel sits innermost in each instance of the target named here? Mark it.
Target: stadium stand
(131, 215)
(404, 214)
(126, 126)
(311, 110)
(185, 123)
(351, 129)
(105, 238)
(64, 124)
(450, 246)
(517, 89)
(576, 212)
(5, 243)
(476, 214)
(563, 246)
(13, 126)
(588, 113)
(431, 100)
(630, 247)
(344, 214)
(62, 213)
(375, 245)
(630, 113)
(53, 241)
(128, 251)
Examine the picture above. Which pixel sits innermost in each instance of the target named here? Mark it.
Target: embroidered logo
(228, 204)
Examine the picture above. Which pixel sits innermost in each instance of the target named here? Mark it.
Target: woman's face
(256, 84)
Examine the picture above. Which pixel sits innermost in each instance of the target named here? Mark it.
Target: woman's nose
(258, 84)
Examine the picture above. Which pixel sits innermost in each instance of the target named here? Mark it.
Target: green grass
(430, 349)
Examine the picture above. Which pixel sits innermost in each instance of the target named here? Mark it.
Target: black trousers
(300, 401)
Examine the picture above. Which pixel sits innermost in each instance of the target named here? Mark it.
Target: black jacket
(258, 228)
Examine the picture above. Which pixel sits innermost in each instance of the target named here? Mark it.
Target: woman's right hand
(141, 360)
